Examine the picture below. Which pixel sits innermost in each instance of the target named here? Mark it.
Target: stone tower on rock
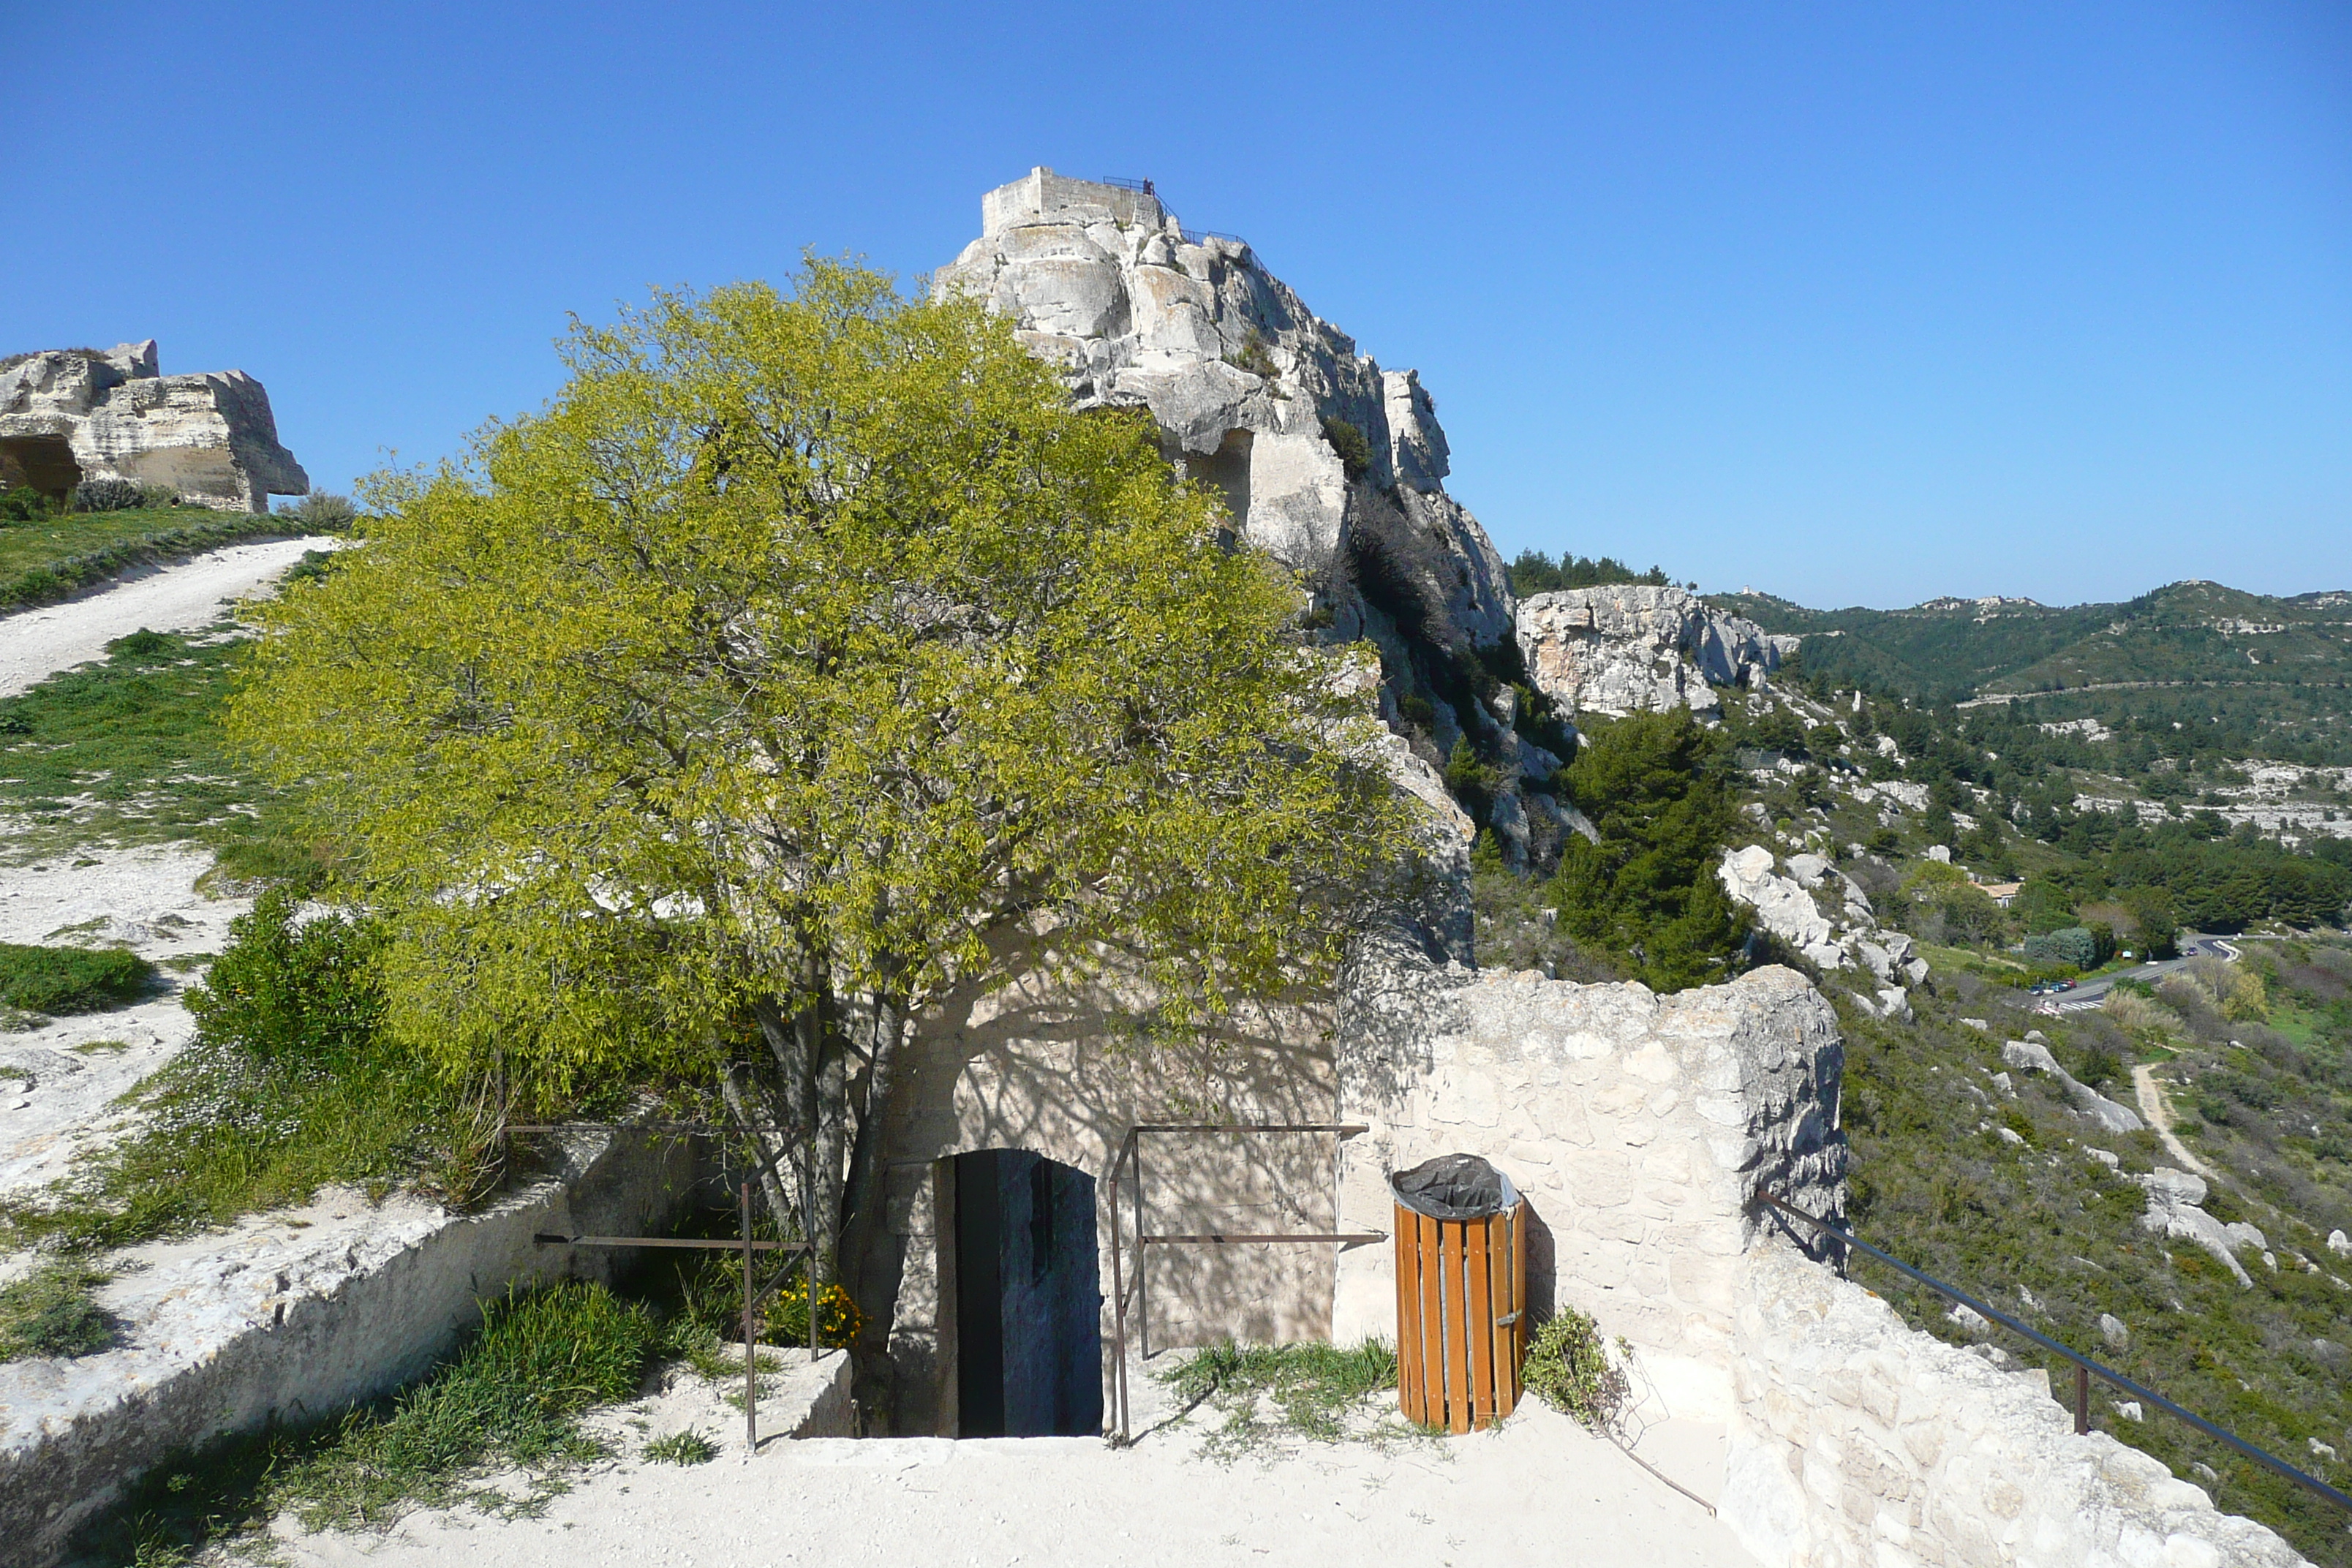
(1327, 461)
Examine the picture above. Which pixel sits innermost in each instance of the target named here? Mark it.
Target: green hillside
(2259, 677)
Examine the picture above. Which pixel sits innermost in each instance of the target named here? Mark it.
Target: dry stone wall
(1857, 1440)
(1638, 1126)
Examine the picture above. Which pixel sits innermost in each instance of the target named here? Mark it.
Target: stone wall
(1066, 1076)
(1638, 1126)
(293, 1316)
(1857, 1440)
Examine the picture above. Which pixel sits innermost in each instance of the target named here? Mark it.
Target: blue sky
(1855, 303)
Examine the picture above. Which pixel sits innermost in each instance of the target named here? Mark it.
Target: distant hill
(2277, 668)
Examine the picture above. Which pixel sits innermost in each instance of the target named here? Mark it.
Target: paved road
(2192, 945)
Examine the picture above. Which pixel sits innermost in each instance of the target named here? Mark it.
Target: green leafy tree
(807, 662)
(1648, 889)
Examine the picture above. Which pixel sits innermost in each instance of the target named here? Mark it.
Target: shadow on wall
(1064, 1075)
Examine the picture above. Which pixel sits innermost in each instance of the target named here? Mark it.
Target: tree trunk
(869, 1263)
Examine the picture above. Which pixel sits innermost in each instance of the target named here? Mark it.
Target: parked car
(2062, 985)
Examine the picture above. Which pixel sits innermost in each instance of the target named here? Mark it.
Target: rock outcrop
(2173, 1210)
(1248, 387)
(2032, 1055)
(71, 415)
(1326, 460)
(1637, 647)
(1844, 934)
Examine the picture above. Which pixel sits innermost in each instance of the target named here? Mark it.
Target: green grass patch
(130, 750)
(289, 1085)
(59, 980)
(1267, 1394)
(51, 1312)
(686, 1447)
(48, 560)
(510, 1401)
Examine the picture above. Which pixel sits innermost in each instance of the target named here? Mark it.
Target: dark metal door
(1028, 1297)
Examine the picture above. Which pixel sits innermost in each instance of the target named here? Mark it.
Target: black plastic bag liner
(1454, 1186)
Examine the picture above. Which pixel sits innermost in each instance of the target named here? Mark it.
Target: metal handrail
(1130, 1152)
(2084, 1365)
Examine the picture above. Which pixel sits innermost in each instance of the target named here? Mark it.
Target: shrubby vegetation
(1533, 571)
(2053, 1236)
(71, 979)
(290, 1085)
(510, 1402)
(1646, 893)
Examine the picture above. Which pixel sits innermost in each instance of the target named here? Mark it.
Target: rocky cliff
(1325, 459)
(1633, 647)
(71, 415)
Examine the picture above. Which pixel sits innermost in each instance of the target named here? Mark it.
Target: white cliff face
(1242, 377)
(1784, 905)
(1636, 646)
(68, 415)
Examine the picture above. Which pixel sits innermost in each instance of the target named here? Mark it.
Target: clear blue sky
(1856, 303)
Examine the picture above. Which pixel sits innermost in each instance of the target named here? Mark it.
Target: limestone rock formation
(1248, 387)
(1787, 907)
(1633, 647)
(71, 415)
(1326, 460)
(2032, 1055)
(2173, 1211)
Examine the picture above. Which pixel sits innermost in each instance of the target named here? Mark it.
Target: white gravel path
(1539, 1490)
(59, 1080)
(37, 644)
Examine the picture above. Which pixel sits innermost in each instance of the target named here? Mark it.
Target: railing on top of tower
(1192, 236)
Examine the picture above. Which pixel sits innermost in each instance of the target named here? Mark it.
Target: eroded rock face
(1635, 647)
(71, 415)
(1787, 907)
(1241, 378)
(1257, 396)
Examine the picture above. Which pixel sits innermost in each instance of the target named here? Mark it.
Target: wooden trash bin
(1461, 1315)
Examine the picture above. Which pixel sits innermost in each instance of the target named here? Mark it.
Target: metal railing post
(751, 1341)
(2084, 1365)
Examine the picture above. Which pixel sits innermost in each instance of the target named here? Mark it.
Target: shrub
(71, 979)
(289, 1085)
(324, 511)
(106, 495)
(25, 504)
(1569, 1367)
(1355, 452)
(2074, 945)
(49, 1313)
(158, 496)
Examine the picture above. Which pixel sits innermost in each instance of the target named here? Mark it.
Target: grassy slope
(130, 750)
(41, 563)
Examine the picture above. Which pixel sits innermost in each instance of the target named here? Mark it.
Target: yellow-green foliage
(2142, 1014)
(808, 640)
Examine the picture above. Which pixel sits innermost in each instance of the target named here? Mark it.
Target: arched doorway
(1026, 1296)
